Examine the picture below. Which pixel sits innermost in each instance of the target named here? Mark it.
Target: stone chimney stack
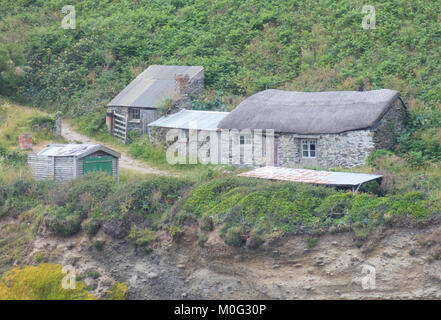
(182, 89)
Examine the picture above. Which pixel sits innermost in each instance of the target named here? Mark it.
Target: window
(245, 140)
(309, 149)
(135, 114)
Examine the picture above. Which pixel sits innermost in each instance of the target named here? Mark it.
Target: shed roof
(332, 178)
(311, 112)
(75, 150)
(202, 120)
(153, 85)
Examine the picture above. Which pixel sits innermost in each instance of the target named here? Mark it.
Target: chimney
(25, 141)
(182, 88)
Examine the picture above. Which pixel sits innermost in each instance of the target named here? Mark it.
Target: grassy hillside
(245, 46)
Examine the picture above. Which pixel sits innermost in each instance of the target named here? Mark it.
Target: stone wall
(157, 136)
(390, 126)
(347, 149)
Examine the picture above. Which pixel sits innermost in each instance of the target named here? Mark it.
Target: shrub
(64, 222)
(233, 237)
(377, 154)
(98, 245)
(118, 291)
(174, 231)
(43, 282)
(40, 257)
(165, 106)
(202, 238)
(91, 227)
(142, 238)
(93, 274)
(311, 242)
(42, 123)
(143, 149)
(207, 223)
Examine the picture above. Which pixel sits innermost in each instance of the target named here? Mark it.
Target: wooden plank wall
(42, 166)
(64, 168)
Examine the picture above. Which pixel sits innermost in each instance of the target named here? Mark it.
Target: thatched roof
(310, 112)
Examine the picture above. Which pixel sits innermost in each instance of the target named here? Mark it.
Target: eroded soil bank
(403, 258)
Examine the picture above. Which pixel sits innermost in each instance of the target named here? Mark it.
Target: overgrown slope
(245, 46)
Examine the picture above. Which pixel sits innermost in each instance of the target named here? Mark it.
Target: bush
(143, 149)
(377, 154)
(311, 242)
(91, 227)
(98, 245)
(43, 282)
(202, 238)
(64, 222)
(233, 237)
(117, 292)
(42, 123)
(93, 274)
(207, 223)
(141, 238)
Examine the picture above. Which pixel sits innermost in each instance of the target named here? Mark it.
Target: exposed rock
(117, 229)
(152, 275)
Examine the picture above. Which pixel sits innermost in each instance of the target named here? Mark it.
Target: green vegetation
(15, 120)
(244, 46)
(43, 282)
(117, 292)
(234, 40)
(320, 45)
(241, 207)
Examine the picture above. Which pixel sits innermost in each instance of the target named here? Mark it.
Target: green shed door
(103, 163)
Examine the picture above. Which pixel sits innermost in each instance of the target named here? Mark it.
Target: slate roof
(153, 85)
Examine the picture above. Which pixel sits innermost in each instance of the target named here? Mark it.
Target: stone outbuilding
(322, 129)
(205, 125)
(65, 162)
(157, 90)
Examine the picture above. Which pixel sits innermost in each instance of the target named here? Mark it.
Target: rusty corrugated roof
(311, 176)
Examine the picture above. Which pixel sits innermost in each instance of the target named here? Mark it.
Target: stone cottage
(321, 129)
(158, 89)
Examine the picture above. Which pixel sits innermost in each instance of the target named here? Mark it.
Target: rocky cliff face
(398, 263)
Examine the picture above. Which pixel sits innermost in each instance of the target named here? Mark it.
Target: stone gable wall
(344, 150)
(390, 126)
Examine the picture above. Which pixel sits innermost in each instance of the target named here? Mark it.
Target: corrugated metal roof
(74, 150)
(311, 176)
(204, 120)
(153, 85)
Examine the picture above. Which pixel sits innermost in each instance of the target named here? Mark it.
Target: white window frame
(308, 143)
(244, 139)
(132, 111)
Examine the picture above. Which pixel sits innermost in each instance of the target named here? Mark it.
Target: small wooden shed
(65, 162)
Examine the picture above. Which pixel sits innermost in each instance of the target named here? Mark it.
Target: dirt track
(125, 162)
